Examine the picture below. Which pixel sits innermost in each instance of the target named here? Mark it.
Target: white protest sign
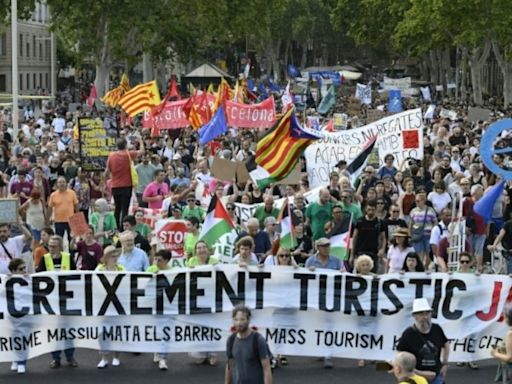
(400, 84)
(439, 88)
(299, 312)
(429, 113)
(323, 155)
(447, 114)
(364, 93)
(425, 92)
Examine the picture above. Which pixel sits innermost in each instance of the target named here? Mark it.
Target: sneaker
(116, 362)
(103, 364)
(156, 358)
(328, 363)
(73, 363)
(459, 364)
(55, 364)
(14, 366)
(473, 365)
(212, 360)
(162, 365)
(21, 368)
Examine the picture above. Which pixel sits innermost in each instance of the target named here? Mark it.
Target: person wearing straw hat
(399, 249)
(427, 342)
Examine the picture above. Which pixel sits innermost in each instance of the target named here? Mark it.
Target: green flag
(328, 101)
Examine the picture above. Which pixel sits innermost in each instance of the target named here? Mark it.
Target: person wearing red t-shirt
(475, 224)
(118, 166)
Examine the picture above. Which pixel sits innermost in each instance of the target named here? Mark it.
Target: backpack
(231, 342)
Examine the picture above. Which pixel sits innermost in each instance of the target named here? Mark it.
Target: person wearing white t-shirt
(440, 231)
(11, 247)
(58, 125)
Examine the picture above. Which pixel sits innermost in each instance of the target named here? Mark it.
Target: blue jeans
(423, 245)
(68, 352)
(61, 228)
(437, 380)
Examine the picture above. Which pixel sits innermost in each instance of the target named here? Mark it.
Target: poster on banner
(323, 155)
(95, 142)
(188, 310)
(396, 84)
(170, 235)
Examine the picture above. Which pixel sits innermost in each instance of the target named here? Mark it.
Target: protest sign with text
(298, 311)
(96, 142)
(323, 155)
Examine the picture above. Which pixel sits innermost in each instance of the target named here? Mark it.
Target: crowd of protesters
(402, 213)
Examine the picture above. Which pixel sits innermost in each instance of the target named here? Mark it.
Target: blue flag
(215, 127)
(250, 85)
(293, 71)
(484, 206)
(395, 101)
(273, 87)
(262, 91)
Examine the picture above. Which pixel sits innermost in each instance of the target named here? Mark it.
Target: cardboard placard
(224, 169)
(293, 178)
(242, 174)
(476, 114)
(78, 224)
(9, 211)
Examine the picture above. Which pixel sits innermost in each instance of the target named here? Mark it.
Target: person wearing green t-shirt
(160, 261)
(192, 210)
(201, 256)
(192, 236)
(349, 206)
(141, 227)
(266, 210)
(318, 214)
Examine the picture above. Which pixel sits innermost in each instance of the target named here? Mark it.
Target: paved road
(141, 369)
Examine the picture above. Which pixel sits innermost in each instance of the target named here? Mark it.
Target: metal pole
(14, 52)
(53, 75)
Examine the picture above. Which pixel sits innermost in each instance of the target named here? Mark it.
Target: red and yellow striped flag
(113, 96)
(140, 98)
(279, 150)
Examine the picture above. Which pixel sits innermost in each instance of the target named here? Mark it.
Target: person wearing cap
(323, 260)
(427, 342)
(399, 249)
(403, 368)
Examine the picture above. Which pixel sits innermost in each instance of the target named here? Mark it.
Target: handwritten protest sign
(96, 142)
(78, 224)
(323, 155)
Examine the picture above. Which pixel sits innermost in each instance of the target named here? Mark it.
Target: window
(3, 83)
(28, 81)
(40, 50)
(3, 44)
(46, 81)
(20, 85)
(34, 46)
(28, 49)
(41, 80)
(20, 53)
(34, 82)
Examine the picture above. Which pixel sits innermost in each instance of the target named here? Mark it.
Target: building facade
(34, 54)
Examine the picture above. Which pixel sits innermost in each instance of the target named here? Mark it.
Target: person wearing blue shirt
(133, 259)
(322, 259)
(388, 169)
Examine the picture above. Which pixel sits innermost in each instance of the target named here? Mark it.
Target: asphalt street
(141, 369)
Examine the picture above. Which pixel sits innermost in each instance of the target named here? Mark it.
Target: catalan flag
(140, 98)
(112, 97)
(224, 93)
(279, 150)
(197, 110)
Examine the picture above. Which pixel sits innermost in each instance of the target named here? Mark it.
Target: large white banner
(400, 134)
(400, 84)
(298, 311)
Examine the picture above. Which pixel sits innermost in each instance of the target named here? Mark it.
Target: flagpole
(14, 73)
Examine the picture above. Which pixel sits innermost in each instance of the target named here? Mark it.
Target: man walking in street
(247, 351)
(427, 342)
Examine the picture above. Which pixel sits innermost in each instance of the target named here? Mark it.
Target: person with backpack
(248, 354)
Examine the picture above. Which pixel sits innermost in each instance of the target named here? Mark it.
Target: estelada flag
(140, 98)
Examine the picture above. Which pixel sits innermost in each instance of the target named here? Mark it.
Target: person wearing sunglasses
(283, 257)
(18, 267)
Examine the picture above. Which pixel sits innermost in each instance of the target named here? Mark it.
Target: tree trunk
(434, 70)
(463, 73)
(506, 70)
(286, 52)
(304, 57)
(477, 60)
(273, 49)
(103, 61)
(147, 67)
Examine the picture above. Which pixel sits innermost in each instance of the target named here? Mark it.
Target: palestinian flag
(279, 150)
(359, 163)
(340, 238)
(287, 240)
(216, 223)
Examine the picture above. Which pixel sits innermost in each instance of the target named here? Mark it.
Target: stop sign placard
(171, 235)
